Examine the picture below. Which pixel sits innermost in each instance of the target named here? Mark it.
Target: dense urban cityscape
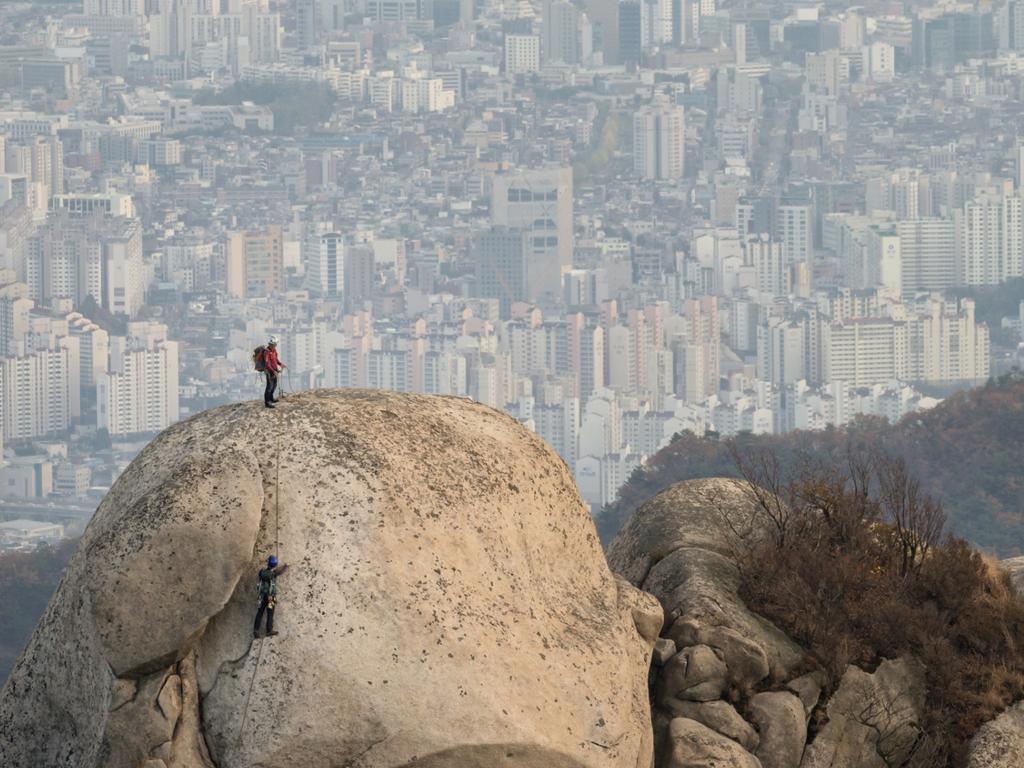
(617, 220)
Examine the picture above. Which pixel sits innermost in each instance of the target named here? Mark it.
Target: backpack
(259, 360)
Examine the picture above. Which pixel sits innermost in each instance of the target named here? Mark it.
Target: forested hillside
(968, 452)
(27, 581)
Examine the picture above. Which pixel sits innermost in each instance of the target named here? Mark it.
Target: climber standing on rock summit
(267, 588)
(268, 363)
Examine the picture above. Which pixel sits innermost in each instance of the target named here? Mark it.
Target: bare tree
(768, 489)
(917, 519)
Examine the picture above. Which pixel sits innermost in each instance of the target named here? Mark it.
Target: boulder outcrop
(448, 603)
(692, 745)
(681, 547)
(780, 720)
(873, 719)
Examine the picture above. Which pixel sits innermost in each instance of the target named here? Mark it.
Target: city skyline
(616, 221)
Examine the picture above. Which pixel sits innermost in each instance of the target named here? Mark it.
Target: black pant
(265, 605)
(268, 394)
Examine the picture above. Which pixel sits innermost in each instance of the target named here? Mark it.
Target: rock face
(1015, 567)
(448, 604)
(873, 719)
(999, 743)
(679, 546)
(692, 745)
(780, 720)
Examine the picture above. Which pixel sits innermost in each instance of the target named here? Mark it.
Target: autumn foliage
(854, 566)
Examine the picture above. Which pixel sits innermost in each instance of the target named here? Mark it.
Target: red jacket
(270, 361)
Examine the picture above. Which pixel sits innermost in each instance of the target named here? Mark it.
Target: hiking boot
(256, 635)
(271, 634)
(269, 405)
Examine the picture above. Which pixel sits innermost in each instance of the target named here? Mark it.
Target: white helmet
(272, 341)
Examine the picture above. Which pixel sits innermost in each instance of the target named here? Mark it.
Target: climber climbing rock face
(266, 589)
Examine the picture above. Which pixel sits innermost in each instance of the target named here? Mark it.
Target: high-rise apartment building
(945, 343)
(124, 280)
(883, 265)
(1010, 26)
(624, 359)
(824, 72)
(906, 192)
(794, 229)
(254, 263)
(928, 254)
(586, 355)
(100, 256)
(867, 351)
(944, 37)
(1019, 156)
(604, 15)
(560, 32)
(690, 370)
(308, 22)
(360, 271)
(879, 62)
(990, 240)
(36, 393)
(540, 203)
(781, 355)
(659, 141)
(558, 423)
(632, 28)
(522, 54)
(40, 159)
(15, 307)
(263, 31)
(324, 258)
(93, 349)
(139, 393)
(702, 325)
(937, 342)
(771, 273)
(501, 257)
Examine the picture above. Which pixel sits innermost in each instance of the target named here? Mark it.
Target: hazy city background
(620, 222)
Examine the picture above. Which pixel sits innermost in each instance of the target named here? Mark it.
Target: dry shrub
(863, 573)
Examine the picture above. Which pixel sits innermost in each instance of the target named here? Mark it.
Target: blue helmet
(272, 562)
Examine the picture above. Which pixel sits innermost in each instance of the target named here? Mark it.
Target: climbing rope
(277, 553)
(277, 503)
(287, 378)
(248, 695)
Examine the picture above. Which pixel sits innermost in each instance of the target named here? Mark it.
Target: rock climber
(267, 589)
(271, 367)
